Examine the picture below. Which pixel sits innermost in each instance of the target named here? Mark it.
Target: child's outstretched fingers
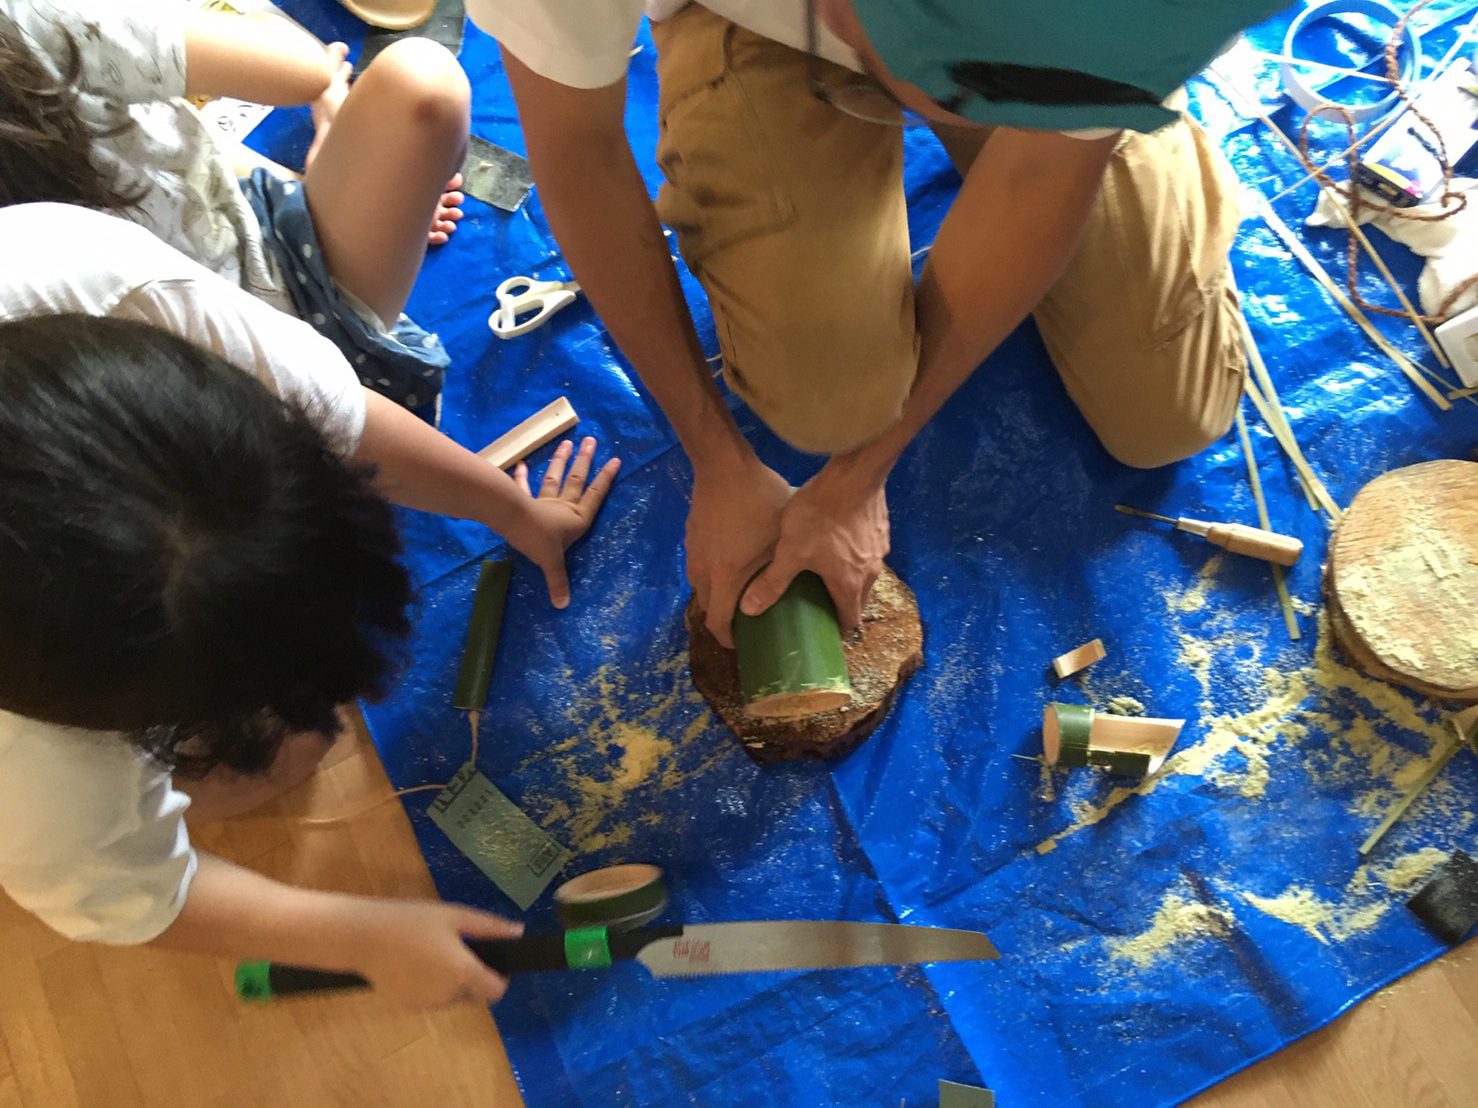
(595, 494)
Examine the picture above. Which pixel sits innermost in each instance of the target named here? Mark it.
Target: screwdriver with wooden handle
(1254, 542)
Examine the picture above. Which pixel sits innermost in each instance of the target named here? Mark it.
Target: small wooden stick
(1399, 808)
(1460, 394)
(1296, 247)
(542, 427)
(1255, 480)
(1079, 658)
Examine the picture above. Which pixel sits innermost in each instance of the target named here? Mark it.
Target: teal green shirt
(1055, 65)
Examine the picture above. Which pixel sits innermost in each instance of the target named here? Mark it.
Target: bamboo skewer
(1285, 601)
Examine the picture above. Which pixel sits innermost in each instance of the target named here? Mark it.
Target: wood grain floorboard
(96, 1027)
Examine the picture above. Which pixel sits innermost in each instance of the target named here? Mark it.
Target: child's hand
(414, 954)
(561, 512)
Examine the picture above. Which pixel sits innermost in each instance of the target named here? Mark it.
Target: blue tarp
(1175, 933)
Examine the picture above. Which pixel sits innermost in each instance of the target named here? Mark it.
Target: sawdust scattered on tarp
(1177, 921)
(631, 735)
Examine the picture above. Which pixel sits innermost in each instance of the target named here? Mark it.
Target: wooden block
(1065, 665)
(542, 427)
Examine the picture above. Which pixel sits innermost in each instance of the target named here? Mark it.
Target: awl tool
(685, 950)
(1254, 542)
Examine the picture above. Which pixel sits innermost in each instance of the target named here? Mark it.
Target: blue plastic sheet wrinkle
(1002, 523)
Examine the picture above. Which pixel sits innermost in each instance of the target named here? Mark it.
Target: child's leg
(222, 794)
(376, 178)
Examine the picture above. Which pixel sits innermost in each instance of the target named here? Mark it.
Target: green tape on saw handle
(482, 636)
(794, 647)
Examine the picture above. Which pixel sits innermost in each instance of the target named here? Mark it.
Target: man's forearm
(1007, 238)
(598, 206)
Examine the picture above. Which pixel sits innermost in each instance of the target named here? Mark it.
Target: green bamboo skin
(791, 661)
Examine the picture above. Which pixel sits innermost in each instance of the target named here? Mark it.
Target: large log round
(1402, 579)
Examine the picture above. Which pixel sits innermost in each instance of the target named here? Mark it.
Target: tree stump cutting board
(881, 656)
(1402, 579)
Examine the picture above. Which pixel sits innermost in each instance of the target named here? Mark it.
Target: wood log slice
(1402, 579)
(883, 654)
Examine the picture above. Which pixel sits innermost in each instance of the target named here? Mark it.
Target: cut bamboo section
(544, 426)
(1133, 746)
(791, 662)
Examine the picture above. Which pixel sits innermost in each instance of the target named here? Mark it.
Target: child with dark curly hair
(198, 568)
(100, 84)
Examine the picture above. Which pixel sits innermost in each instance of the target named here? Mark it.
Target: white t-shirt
(62, 258)
(132, 55)
(92, 833)
(587, 43)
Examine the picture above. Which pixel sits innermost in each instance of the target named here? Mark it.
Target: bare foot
(448, 211)
(326, 107)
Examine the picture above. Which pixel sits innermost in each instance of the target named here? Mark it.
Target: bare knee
(423, 80)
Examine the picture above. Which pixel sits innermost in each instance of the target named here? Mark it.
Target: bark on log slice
(1402, 579)
(884, 654)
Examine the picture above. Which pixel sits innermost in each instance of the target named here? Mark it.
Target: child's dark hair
(45, 145)
(182, 556)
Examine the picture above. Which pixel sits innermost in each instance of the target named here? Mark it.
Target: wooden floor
(113, 1028)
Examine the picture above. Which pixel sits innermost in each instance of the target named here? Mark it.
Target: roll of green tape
(1065, 729)
(617, 897)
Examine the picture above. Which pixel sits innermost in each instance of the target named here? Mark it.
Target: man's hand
(732, 527)
(412, 952)
(835, 528)
(560, 513)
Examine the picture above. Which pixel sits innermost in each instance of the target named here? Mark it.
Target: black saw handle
(537, 953)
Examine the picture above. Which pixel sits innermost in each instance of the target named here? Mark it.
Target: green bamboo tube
(791, 662)
(482, 636)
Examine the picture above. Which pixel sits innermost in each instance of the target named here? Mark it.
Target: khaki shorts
(791, 213)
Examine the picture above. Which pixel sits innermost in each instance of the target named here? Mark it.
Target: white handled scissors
(524, 303)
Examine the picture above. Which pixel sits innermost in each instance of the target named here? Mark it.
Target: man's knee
(1161, 431)
(820, 392)
(424, 80)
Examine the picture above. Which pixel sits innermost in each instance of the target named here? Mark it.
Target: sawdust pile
(1177, 921)
(633, 734)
